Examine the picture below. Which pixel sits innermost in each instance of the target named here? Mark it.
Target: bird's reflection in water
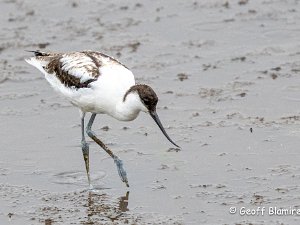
(123, 202)
(101, 208)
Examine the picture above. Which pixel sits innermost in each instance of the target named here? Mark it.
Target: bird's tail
(38, 53)
(37, 61)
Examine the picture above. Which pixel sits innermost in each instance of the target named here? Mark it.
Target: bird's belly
(86, 107)
(91, 104)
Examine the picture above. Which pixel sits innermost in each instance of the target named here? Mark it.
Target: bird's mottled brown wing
(77, 69)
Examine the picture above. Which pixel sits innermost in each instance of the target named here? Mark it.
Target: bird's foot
(85, 152)
(91, 187)
(121, 171)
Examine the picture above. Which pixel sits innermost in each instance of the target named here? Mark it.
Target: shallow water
(220, 71)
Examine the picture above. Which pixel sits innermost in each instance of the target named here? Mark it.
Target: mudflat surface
(221, 69)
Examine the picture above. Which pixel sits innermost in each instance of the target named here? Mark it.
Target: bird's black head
(149, 99)
(147, 96)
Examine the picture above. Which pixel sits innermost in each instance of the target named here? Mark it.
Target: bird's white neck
(130, 108)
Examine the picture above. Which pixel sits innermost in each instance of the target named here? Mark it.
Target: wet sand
(228, 77)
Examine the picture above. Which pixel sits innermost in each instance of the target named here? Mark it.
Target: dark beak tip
(178, 147)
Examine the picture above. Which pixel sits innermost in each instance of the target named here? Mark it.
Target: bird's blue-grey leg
(119, 163)
(85, 150)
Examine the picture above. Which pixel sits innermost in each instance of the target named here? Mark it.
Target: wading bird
(99, 84)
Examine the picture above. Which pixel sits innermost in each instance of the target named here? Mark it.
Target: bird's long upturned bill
(157, 120)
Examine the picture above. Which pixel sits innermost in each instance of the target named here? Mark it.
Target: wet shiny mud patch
(24, 205)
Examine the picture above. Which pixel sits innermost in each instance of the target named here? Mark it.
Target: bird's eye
(146, 101)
